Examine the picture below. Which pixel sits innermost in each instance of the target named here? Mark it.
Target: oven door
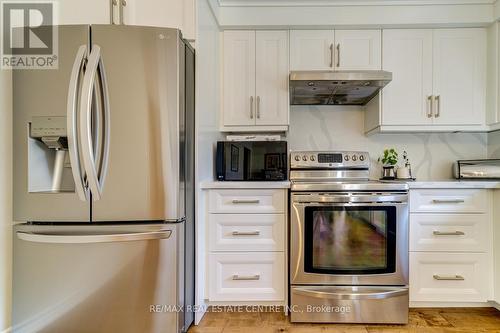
(349, 239)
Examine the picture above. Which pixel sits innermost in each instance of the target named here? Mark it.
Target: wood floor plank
(421, 320)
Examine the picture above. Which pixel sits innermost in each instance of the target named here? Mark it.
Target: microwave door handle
(72, 119)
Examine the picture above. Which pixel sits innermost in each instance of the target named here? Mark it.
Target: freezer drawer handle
(246, 233)
(92, 238)
(448, 278)
(446, 233)
(445, 201)
(244, 201)
(351, 295)
(237, 277)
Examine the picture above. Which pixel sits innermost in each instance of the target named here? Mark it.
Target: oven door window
(350, 240)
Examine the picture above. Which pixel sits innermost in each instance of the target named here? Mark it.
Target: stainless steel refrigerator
(104, 184)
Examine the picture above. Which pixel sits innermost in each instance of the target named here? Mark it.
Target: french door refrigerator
(104, 184)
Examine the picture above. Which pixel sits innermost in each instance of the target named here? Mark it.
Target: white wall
(431, 155)
(5, 198)
(207, 123)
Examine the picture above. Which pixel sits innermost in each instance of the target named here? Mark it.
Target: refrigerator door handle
(72, 118)
(92, 238)
(95, 168)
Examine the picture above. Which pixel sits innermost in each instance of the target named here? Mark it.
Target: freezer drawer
(346, 304)
(105, 278)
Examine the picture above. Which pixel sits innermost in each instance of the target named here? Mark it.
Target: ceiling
(305, 3)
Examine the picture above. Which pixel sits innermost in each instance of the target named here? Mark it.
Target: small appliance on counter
(252, 160)
(485, 169)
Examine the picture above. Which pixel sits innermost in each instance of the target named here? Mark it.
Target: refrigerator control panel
(48, 126)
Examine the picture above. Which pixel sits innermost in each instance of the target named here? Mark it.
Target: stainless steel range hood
(336, 87)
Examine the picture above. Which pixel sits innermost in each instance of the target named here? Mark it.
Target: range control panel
(329, 160)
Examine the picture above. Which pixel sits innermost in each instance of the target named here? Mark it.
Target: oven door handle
(347, 203)
(351, 295)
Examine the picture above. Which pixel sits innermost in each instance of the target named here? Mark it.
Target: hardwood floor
(421, 320)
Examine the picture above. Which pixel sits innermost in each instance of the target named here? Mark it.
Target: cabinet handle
(237, 277)
(246, 233)
(438, 106)
(113, 4)
(331, 55)
(258, 107)
(448, 278)
(245, 201)
(338, 55)
(429, 106)
(448, 233)
(445, 201)
(251, 107)
(121, 4)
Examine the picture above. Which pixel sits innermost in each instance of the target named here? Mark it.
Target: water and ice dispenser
(49, 168)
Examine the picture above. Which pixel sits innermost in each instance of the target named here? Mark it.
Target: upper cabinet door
(178, 14)
(358, 50)
(272, 78)
(239, 78)
(459, 76)
(311, 49)
(84, 12)
(408, 55)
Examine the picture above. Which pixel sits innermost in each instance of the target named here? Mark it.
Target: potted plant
(389, 161)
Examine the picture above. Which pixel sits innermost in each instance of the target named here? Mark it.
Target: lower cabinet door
(249, 276)
(450, 277)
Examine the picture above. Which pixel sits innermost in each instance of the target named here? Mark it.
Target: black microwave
(252, 160)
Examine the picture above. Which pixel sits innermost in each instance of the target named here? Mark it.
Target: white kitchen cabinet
(255, 81)
(239, 78)
(339, 49)
(450, 277)
(358, 49)
(178, 14)
(451, 239)
(271, 77)
(439, 81)
(246, 245)
(84, 12)
(459, 80)
(408, 56)
(311, 49)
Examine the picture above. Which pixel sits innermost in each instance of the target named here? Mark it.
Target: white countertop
(431, 184)
(453, 183)
(238, 184)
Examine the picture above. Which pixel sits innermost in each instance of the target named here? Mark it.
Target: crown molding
(344, 3)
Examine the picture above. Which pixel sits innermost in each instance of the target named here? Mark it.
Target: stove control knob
(354, 157)
(297, 158)
(312, 158)
(304, 158)
(346, 158)
(361, 158)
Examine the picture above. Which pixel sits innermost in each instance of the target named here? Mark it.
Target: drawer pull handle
(246, 233)
(445, 201)
(448, 233)
(237, 277)
(449, 278)
(246, 201)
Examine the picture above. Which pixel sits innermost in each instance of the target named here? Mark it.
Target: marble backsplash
(342, 128)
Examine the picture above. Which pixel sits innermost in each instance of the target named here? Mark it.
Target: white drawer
(449, 232)
(247, 232)
(247, 201)
(246, 276)
(449, 277)
(448, 201)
